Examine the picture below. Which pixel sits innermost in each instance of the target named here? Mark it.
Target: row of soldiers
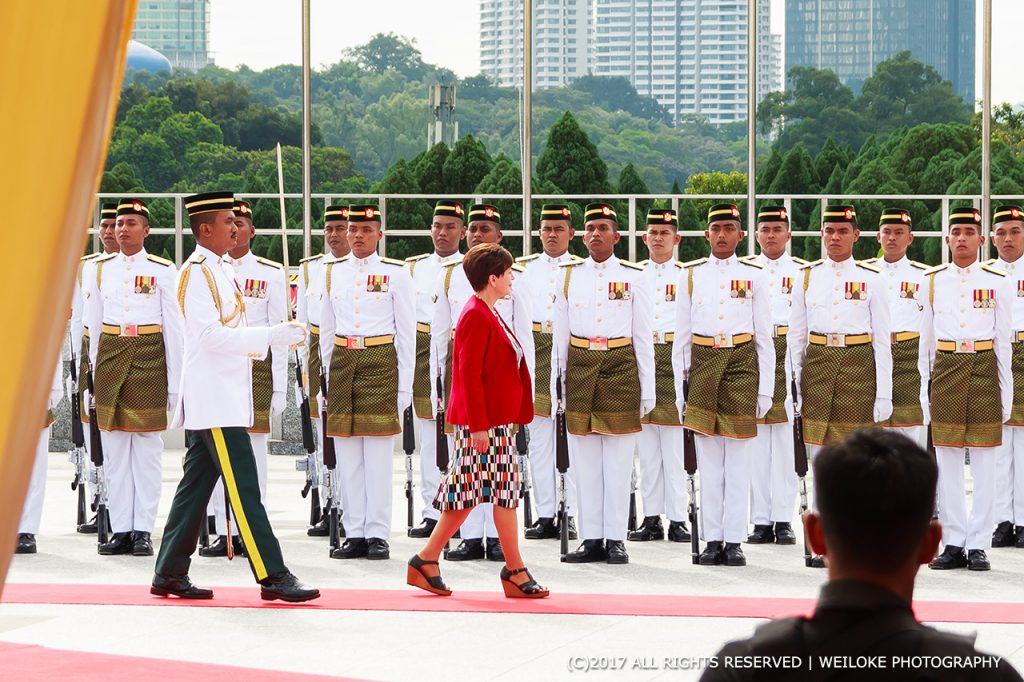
(623, 339)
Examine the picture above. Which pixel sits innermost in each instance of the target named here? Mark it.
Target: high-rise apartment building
(178, 29)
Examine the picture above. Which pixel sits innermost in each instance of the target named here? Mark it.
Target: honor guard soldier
(1008, 237)
(32, 511)
(902, 280)
(772, 473)
(603, 344)
(446, 231)
(79, 333)
(310, 299)
(965, 347)
(135, 346)
(368, 337)
(264, 291)
(215, 407)
(660, 442)
(451, 292)
(724, 346)
(540, 277)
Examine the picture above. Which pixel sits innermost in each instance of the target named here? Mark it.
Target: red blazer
(488, 389)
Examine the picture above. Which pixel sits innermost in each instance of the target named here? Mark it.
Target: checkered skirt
(475, 478)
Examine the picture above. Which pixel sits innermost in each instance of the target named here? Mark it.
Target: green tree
(505, 177)
(718, 183)
(387, 51)
(146, 116)
(830, 157)
(617, 93)
(430, 169)
(181, 132)
(795, 176)
(904, 92)
(405, 214)
(630, 182)
(571, 161)
(466, 166)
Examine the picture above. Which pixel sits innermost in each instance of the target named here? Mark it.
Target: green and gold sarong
(837, 390)
(906, 385)
(313, 377)
(542, 372)
(965, 400)
(83, 354)
(665, 412)
(262, 393)
(362, 394)
(723, 391)
(131, 383)
(602, 391)
(1017, 368)
(777, 412)
(421, 377)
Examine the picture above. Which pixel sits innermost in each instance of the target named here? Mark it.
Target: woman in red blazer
(491, 394)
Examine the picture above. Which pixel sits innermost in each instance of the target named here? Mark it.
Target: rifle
(800, 459)
(308, 462)
(522, 447)
(690, 465)
(77, 456)
(330, 462)
(409, 445)
(439, 434)
(562, 465)
(99, 481)
(631, 523)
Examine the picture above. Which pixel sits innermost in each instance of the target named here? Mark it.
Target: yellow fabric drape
(61, 65)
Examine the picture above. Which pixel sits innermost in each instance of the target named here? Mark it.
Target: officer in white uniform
(32, 511)
(446, 231)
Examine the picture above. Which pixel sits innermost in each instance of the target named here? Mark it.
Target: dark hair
(484, 260)
(875, 493)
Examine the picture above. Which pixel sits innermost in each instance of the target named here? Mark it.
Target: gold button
(721, 317)
(657, 317)
(961, 324)
(835, 317)
(657, 303)
(599, 319)
(721, 286)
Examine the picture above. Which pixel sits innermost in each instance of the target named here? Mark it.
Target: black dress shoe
(1003, 535)
(320, 529)
(178, 587)
(678, 532)
(120, 543)
(762, 535)
(616, 551)
(977, 560)
(1018, 532)
(286, 587)
(494, 550)
(650, 529)
(142, 543)
(219, 547)
(590, 551)
(573, 535)
(87, 528)
(817, 561)
(423, 530)
(377, 549)
(951, 557)
(544, 529)
(712, 554)
(353, 548)
(733, 555)
(468, 550)
(784, 534)
(26, 544)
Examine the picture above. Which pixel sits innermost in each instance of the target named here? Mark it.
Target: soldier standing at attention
(660, 442)
(446, 231)
(135, 346)
(602, 343)
(772, 473)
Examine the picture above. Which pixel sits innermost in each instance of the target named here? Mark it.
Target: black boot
(1003, 536)
(544, 529)
(217, 548)
(573, 535)
(762, 535)
(353, 548)
(320, 529)
(784, 534)
(88, 527)
(590, 551)
(650, 529)
(494, 551)
(977, 560)
(951, 557)
(616, 550)
(733, 555)
(423, 530)
(817, 561)
(378, 549)
(142, 543)
(286, 587)
(26, 544)
(468, 550)
(713, 555)
(120, 543)
(678, 532)
(1018, 532)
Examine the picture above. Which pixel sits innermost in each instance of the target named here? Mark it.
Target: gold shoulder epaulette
(158, 259)
(527, 259)
(451, 263)
(644, 262)
(870, 260)
(994, 270)
(813, 263)
(679, 263)
(518, 268)
(271, 263)
(90, 256)
(104, 257)
(866, 266)
(935, 268)
(393, 261)
(693, 263)
(631, 264)
(798, 261)
(749, 260)
(919, 266)
(311, 258)
(571, 262)
(990, 261)
(413, 259)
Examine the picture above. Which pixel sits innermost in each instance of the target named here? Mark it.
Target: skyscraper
(178, 29)
(851, 37)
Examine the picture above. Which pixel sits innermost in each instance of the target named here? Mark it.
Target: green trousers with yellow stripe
(211, 453)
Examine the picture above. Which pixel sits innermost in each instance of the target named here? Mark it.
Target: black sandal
(528, 590)
(416, 577)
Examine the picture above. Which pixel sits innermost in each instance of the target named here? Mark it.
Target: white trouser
(366, 469)
(131, 463)
(914, 433)
(662, 479)
(32, 512)
(430, 475)
(724, 466)
(479, 523)
(1009, 501)
(959, 530)
(604, 469)
(544, 473)
(773, 480)
(216, 506)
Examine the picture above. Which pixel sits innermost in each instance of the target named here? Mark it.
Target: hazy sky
(263, 33)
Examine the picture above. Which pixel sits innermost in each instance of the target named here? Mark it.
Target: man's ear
(929, 546)
(815, 533)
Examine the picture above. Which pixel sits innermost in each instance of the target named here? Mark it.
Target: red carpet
(27, 663)
(565, 603)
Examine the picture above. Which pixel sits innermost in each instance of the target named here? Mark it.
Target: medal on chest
(984, 298)
(377, 284)
(1020, 288)
(909, 290)
(740, 288)
(619, 291)
(856, 291)
(787, 285)
(670, 292)
(255, 288)
(144, 284)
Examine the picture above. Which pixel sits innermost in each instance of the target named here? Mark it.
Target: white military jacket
(540, 276)
(842, 298)
(729, 297)
(780, 277)
(131, 292)
(423, 270)
(1015, 273)
(216, 379)
(311, 289)
(662, 279)
(902, 281)
(85, 269)
(264, 287)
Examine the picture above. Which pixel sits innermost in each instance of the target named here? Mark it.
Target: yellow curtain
(61, 65)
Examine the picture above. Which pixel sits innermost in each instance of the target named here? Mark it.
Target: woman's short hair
(484, 260)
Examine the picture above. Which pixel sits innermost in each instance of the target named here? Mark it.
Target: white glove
(1007, 411)
(646, 405)
(277, 402)
(55, 395)
(172, 401)
(69, 389)
(404, 401)
(926, 413)
(883, 409)
(681, 408)
(287, 334)
(764, 403)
